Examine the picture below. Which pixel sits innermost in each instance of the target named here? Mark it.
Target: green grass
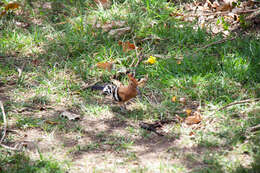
(59, 48)
(23, 164)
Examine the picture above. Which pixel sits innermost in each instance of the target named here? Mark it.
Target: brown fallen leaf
(3, 13)
(224, 7)
(105, 65)
(179, 62)
(127, 46)
(192, 133)
(174, 99)
(194, 119)
(10, 6)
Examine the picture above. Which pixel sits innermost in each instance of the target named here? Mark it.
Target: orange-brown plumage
(128, 92)
(121, 93)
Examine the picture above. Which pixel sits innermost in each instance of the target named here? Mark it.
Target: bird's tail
(97, 87)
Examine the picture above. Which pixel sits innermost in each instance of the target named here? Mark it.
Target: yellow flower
(151, 60)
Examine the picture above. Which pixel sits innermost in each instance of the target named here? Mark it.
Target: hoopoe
(121, 93)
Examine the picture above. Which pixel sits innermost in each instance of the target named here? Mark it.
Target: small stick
(5, 122)
(254, 14)
(238, 102)
(5, 126)
(220, 13)
(254, 128)
(136, 53)
(9, 148)
(214, 43)
(139, 61)
(231, 104)
(90, 85)
(138, 56)
(150, 127)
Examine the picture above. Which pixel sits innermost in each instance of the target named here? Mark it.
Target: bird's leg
(139, 94)
(122, 107)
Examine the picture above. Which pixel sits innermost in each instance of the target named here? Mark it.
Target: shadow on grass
(74, 49)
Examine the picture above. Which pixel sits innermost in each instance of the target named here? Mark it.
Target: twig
(164, 56)
(20, 70)
(136, 52)
(18, 146)
(231, 104)
(9, 148)
(221, 13)
(5, 127)
(138, 56)
(151, 127)
(214, 43)
(254, 128)
(5, 122)
(90, 85)
(254, 14)
(238, 102)
(157, 124)
(140, 59)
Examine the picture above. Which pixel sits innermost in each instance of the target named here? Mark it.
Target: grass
(57, 50)
(21, 163)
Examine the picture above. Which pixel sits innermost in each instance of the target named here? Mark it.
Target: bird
(120, 93)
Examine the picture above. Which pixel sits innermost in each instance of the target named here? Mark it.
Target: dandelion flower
(151, 60)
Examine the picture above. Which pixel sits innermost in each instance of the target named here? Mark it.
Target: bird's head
(133, 81)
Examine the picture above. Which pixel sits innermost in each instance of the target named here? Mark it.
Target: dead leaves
(127, 46)
(174, 99)
(211, 12)
(179, 62)
(105, 65)
(194, 119)
(192, 111)
(10, 6)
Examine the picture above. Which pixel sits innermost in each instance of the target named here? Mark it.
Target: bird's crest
(132, 79)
